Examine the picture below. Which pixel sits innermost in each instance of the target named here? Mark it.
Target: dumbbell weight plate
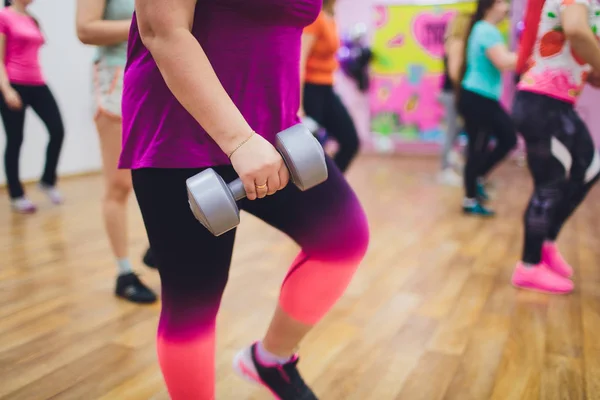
(307, 168)
(209, 189)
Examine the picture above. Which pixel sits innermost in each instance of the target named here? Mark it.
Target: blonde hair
(459, 25)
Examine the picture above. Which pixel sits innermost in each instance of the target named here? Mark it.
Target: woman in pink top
(22, 84)
(561, 154)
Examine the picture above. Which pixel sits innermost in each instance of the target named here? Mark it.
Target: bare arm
(93, 29)
(4, 82)
(502, 58)
(454, 50)
(308, 41)
(165, 29)
(579, 34)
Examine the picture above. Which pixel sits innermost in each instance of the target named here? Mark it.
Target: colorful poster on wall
(408, 71)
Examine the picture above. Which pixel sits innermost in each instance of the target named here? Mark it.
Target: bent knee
(118, 188)
(344, 242)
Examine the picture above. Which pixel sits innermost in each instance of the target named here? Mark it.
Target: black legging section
(42, 102)
(323, 105)
(484, 118)
(562, 160)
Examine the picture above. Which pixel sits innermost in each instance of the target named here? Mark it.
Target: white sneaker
(449, 177)
(23, 205)
(52, 193)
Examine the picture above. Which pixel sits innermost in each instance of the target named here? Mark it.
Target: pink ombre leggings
(327, 222)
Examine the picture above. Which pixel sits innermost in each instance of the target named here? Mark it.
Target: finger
(249, 188)
(273, 183)
(261, 189)
(284, 176)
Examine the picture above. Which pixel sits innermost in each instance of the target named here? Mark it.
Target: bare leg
(117, 184)
(284, 334)
(114, 207)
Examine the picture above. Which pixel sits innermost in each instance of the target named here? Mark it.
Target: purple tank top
(254, 47)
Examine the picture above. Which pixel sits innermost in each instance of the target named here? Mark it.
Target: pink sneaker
(554, 260)
(541, 279)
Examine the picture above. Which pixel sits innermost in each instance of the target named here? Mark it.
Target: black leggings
(484, 118)
(42, 102)
(327, 222)
(324, 106)
(563, 162)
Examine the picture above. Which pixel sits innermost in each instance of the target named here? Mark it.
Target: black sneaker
(284, 381)
(148, 259)
(131, 288)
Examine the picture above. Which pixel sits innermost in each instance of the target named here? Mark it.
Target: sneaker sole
(479, 215)
(123, 297)
(242, 365)
(538, 290)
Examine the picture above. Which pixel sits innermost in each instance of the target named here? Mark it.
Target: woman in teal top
(486, 57)
(105, 24)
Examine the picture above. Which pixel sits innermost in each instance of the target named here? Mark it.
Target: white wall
(67, 65)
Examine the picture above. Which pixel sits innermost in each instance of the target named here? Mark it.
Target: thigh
(327, 221)
(337, 121)
(500, 125)
(586, 161)
(314, 101)
(110, 136)
(108, 89)
(13, 120)
(547, 159)
(193, 263)
(44, 104)
(476, 133)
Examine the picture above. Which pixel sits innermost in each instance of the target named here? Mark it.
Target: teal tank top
(116, 55)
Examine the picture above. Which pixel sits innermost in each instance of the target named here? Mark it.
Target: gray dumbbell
(311, 124)
(213, 202)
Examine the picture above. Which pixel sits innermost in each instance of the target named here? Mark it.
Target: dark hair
(483, 7)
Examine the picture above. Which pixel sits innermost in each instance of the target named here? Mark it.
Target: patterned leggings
(562, 160)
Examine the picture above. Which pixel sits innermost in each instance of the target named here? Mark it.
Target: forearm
(104, 32)
(192, 80)
(454, 63)
(4, 82)
(510, 62)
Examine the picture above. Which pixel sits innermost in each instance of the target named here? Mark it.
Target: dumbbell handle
(237, 189)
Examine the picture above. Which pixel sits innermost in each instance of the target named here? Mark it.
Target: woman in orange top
(320, 43)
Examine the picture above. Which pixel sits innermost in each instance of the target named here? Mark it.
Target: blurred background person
(23, 85)
(486, 56)
(320, 44)
(454, 43)
(105, 24)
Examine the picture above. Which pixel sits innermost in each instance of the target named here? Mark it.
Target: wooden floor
(430, 315)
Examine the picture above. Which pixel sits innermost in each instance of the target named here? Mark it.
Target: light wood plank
(429, 315)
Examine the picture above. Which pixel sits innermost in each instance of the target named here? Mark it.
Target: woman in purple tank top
(210, 84)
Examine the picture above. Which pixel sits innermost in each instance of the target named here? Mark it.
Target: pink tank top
(23, 42)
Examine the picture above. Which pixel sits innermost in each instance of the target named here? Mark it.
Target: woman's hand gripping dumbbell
(213, 202)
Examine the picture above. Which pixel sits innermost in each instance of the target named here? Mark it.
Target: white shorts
(108, 89)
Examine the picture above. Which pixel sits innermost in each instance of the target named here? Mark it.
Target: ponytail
(533, 14)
